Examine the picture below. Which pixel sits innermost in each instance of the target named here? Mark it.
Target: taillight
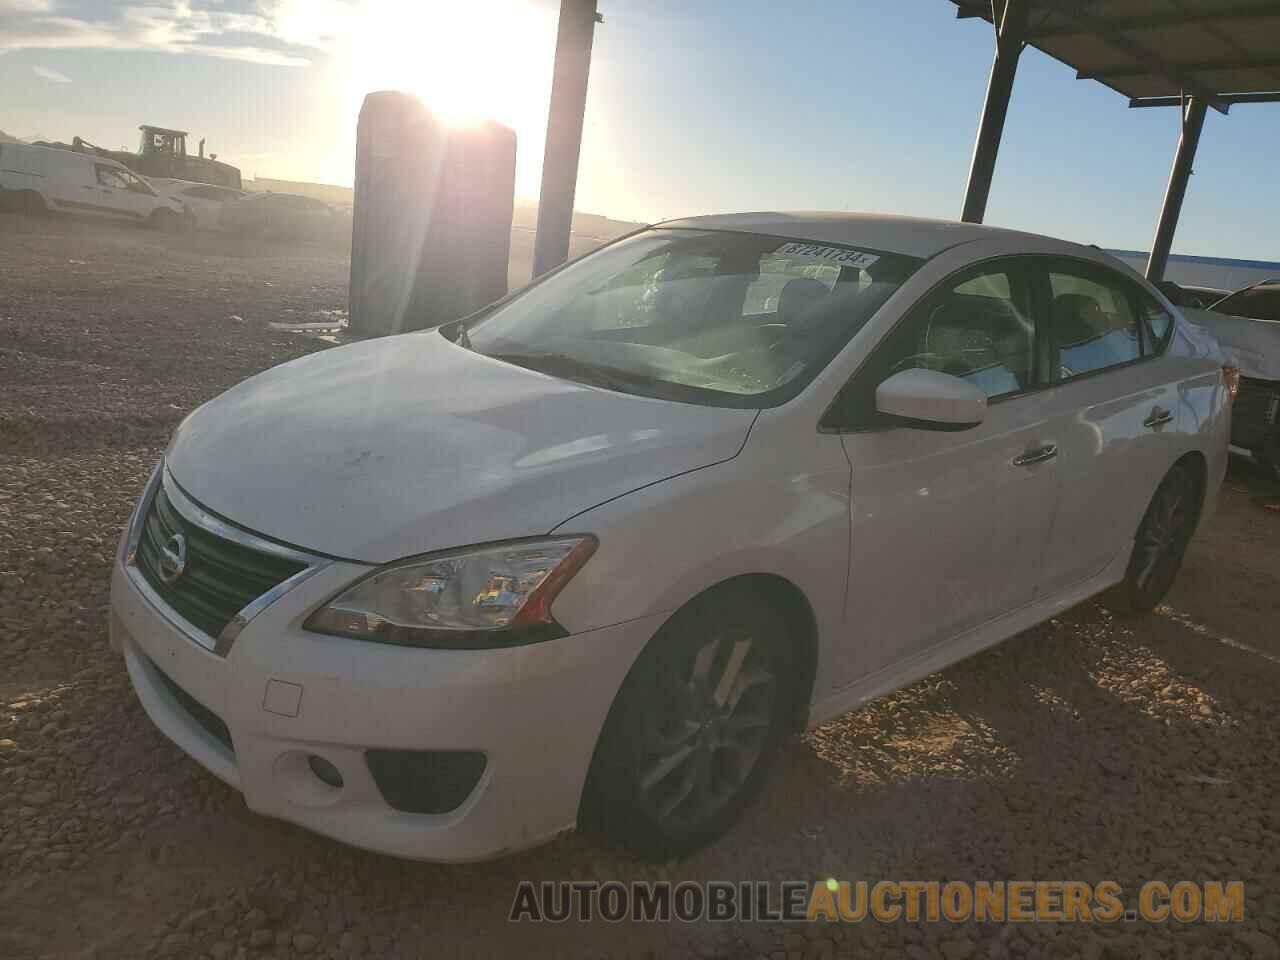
(1231, 377)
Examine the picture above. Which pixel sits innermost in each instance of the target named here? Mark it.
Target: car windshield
(1258, 303)
(712, 317)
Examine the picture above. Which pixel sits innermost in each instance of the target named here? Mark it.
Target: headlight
(474, 598)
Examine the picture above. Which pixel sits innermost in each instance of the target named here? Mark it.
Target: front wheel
(29, 202)
(695, 728)
(1160, 543)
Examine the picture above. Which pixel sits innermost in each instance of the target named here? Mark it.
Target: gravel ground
(1088, 748)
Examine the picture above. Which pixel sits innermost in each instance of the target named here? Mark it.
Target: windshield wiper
(571, 368)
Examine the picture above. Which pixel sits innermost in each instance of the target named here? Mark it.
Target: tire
(686, 747)
(29, 202)
(165, 220)
(1160, 543)
(1268, 456)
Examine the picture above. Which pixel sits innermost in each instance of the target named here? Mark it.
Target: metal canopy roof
(1156, 51)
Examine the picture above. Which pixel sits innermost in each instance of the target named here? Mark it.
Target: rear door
(947, 528)
(1115, 412)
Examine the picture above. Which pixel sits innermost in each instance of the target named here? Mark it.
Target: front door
(947, 529)
(121, 194)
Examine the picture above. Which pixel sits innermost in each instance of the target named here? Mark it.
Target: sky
(694, 106)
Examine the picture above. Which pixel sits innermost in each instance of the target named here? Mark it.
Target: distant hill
(586, 225)
(328, 192)
(6, 138)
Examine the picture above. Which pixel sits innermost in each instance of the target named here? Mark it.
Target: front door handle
(1159, 417)
(1036, 455)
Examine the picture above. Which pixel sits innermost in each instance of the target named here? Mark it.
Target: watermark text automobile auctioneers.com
(956, 901)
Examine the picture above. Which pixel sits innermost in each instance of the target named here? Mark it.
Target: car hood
(1252, 345)
(408, 444)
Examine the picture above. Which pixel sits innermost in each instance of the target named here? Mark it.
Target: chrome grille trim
(197, 516)
(202, 518)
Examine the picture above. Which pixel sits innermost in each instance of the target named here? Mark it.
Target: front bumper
(283, 694)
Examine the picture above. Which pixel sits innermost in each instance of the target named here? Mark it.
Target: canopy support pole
(1010, 39)
(1192, 124)
(564, 133)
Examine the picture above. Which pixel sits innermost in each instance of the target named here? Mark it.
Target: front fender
(665, 544)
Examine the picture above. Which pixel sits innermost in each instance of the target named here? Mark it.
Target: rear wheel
(29, 202)
(695, 728)
(166, 220)
(1160, 543)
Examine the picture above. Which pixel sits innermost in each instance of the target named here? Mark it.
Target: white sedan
(204, 200)
(593, 555)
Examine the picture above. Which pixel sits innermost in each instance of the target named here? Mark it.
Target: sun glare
(468, 62)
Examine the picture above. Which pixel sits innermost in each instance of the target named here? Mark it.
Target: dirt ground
(1090, 748)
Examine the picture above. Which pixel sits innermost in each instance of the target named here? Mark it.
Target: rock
(254, 919)
(957, 949)
(221, 950)
(304, 942)
(351, 944)
(196, 918)
(175, 944)
(1261, 946)
(41, 798)
(7, 746)
(261, 938)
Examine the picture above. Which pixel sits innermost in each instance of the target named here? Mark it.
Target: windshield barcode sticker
(837, 256)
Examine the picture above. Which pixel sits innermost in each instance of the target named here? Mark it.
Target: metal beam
(1201, 66)
(1010, 34)
(1230, 99)
(1242, 11)
(1192, 125)
(1112, 33)
(564, 133)
(1107, 32)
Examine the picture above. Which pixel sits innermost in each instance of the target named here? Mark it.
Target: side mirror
(929, 400)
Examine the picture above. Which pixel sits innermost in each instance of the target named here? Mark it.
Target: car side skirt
(957, 648)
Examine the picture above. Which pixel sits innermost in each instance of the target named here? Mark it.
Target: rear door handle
(1158, 418)
(1036, 455)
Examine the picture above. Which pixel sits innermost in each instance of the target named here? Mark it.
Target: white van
(37, 179)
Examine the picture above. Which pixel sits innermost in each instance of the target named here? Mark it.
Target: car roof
(913, 236)
(65, 152)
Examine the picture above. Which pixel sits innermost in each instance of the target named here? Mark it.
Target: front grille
(1254, 413)
(221, 577)
(208, 720)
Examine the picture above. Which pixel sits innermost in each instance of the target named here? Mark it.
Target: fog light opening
(325, 771)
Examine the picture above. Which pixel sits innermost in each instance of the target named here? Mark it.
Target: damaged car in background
(1247, 325)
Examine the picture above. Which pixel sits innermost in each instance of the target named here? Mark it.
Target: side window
(110, 177)
(979, 328)
(1091, 322)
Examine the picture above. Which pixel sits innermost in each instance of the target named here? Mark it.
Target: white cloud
(50, 74)
(280, 32)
